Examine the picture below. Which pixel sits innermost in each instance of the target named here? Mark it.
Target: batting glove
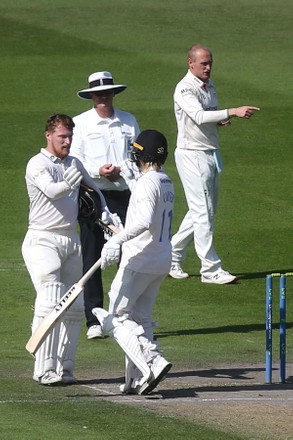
(72, 176)
(111, 253)
(112, 218)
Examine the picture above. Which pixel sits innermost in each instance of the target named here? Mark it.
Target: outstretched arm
(246, 111)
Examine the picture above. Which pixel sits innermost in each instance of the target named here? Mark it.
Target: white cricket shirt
(197, 114)
(148, 225)
(97, 141)
(52, 205)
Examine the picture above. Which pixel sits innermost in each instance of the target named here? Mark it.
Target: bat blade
(49, 321)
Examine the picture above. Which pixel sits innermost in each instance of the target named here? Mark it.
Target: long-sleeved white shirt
(97, 141)
(147, 232)
(53, 206)
(197, 114)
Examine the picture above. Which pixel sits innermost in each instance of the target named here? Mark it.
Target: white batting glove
(130, 173)
(116, 220)
(72, 176)
(110, 254)
(106, 219)
(112, 218)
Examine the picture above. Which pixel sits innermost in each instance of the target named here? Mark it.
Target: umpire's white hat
(98, 82)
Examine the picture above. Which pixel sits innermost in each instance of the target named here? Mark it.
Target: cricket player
(145, 262)
(51, 248)
(199, 163)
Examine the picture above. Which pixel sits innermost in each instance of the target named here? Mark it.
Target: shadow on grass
(234, 374)
(244, 375)
(251, 276)
(98, 381)
(246, 328)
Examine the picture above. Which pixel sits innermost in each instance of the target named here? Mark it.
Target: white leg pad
(125, 337)
(151, 348)
(145, 337)
(46, 355)
(133, 377)
(69, 336)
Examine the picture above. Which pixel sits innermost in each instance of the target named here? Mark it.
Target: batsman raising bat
(145, 262)
(51, 248)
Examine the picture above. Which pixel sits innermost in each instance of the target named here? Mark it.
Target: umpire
(102, 139)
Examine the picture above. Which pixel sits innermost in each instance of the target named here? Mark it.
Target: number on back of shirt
(166, 225)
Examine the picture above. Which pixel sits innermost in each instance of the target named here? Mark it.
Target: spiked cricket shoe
(50, 378)
(94, 332)
(159, 368)
(177, 272)
(221, 277)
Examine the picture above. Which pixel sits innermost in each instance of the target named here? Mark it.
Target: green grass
(88, 420)
(47, 52)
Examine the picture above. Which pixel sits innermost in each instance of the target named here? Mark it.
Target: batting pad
(125, 338)
(46, 355)
(69, 336)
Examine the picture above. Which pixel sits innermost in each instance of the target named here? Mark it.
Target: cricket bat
(50, 320)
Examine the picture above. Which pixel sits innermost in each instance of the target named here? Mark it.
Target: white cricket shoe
(177, 272)
(95, 331)
(50, 378)
(159, 368)
(129, 389)
(133, 385)
(221, 277)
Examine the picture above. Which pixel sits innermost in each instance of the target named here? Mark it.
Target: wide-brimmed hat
(98, 82)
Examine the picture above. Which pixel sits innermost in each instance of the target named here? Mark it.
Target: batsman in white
(198, 162)
(51, 248)
(145, 262)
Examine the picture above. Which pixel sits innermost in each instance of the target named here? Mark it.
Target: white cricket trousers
(200, 179)
(52, 257)
(134, 294)
(54, 262)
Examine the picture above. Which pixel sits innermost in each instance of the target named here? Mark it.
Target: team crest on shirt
(186, 91)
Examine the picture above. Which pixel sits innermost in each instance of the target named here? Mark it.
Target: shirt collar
(114, 118)
(198, 82)
(51, 156)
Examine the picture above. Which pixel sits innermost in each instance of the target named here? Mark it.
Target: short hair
(196, 47)
(59, 119)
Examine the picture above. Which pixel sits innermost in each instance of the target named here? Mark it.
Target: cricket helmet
(150, 146)
(90, 205)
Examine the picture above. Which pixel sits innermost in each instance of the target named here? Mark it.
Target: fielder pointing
(198, 163)
(51, 248)
(145, 262)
